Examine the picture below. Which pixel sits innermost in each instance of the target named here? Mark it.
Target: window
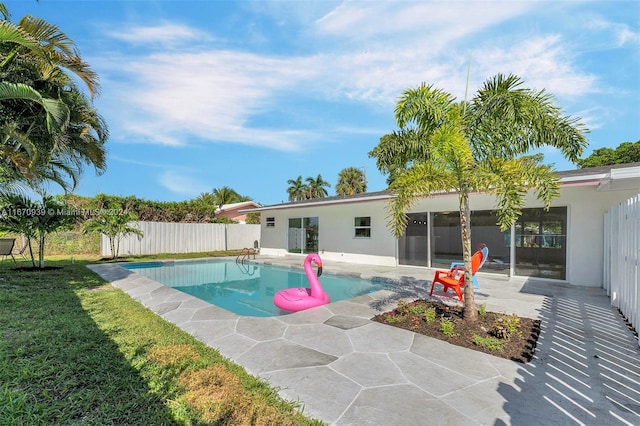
(363, 227)
(271, 222)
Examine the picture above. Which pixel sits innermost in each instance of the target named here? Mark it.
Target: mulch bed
(518, 347)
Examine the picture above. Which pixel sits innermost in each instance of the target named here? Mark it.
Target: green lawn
(74, 350)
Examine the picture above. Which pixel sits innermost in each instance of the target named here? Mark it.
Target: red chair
(454, 277)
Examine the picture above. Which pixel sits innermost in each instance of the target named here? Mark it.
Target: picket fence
(622, 258)
(160, 237)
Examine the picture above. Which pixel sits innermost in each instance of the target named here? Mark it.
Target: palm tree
(49, 129)
(477, 146)
(315, 187)
(36, 220)
(297, 190)
(226, 195)
(115, 225)
(351, 181)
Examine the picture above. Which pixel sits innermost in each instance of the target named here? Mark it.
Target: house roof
(336, 199)
(615, 177)
(234, 206)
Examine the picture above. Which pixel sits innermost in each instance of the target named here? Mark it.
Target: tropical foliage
(49, 129)
(34, 220)
(297, 190)
(191, 211)
(314, 188)
(221, 196)
(626, 152)
(351, 181)
(477, 146)
(114, 224)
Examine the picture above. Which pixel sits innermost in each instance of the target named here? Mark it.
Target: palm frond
(424, 106)
(419, 181)
(57, 111)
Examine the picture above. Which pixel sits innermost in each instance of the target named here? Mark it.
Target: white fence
(622, 258)
(160, 237)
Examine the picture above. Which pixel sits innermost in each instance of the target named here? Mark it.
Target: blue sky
(248, 94)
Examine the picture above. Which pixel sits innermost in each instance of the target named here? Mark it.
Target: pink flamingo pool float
(298, 299)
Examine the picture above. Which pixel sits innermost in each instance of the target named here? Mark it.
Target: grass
(74, 350)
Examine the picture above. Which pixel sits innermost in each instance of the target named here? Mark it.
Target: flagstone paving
(348, 370)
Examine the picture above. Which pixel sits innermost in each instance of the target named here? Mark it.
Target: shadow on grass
(586, 369)
(56, 365)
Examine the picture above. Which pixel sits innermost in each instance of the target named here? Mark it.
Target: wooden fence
(160, 237)
(622, 258)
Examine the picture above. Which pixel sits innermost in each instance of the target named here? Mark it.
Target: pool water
(246, 289)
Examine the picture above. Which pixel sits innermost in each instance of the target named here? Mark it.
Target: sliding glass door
(446, 243)
(413, 245)
(302, 235)
(541, 243)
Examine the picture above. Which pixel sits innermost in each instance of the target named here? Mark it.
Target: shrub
(393, 318)
(482, 309)
(430, 314)
(447, 327)
(489, 342)
(417, 307)
(506, 325)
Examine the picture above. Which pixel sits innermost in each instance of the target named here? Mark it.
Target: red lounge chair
(485, 256)
(454, 277)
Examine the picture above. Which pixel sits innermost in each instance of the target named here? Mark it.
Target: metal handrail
(244, 254)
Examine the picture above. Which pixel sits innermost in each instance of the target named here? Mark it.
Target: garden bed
(506, 336)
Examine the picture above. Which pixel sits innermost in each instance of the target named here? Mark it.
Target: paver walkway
(348, 370)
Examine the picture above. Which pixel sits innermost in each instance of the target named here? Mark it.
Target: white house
(565, 243)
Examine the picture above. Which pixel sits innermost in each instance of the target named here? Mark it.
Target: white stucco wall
(336, 233)
(585, 224)
(585, 231)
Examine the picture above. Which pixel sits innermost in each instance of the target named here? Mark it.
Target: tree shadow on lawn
(57, 366)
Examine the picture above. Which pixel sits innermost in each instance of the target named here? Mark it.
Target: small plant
(393, 318)
(489, 342)
(447, 327)
(482, 309)
(403, 307)
(415, 323)
(430, 314)
(417, 307)
(505, 326)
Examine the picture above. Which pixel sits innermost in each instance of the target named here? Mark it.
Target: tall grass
(74, 350)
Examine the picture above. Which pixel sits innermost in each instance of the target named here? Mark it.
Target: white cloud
(364, 52)
(142, 163)
(181, 184)
(543, 62)
(616, 34)
(170, 97)
(166, 33)
(439, 21)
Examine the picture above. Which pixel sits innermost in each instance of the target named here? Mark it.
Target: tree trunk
(41, 251)
(112, 244)
(470, 312)
(33, 260)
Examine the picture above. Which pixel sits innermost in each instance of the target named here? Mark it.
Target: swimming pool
(245, 289)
